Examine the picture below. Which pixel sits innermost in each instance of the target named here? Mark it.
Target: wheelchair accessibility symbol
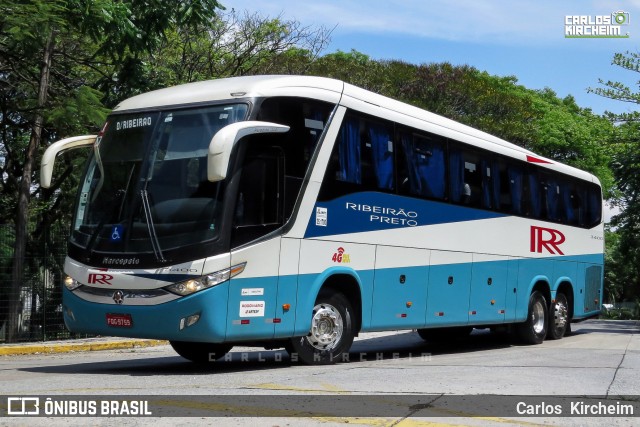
(116, 233)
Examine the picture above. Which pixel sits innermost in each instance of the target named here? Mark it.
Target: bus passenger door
(487, 303)
(399, 288)
(448, 290)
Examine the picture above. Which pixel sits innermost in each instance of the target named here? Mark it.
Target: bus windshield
(146, 187)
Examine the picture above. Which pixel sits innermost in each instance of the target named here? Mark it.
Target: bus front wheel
(200, 352)
(331, 333)
(534, 329)
(559, 317)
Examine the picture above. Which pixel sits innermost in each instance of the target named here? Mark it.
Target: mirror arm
(224, 140)
(49, 157)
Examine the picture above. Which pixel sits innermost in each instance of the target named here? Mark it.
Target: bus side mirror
(223, 141)
(49, 157)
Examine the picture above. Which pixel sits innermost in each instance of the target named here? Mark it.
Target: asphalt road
(601, 358)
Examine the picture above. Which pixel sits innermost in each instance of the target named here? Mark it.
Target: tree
(624, 268)
(496, 105)
(573, 135)
(620, 91)
(37, 40)
(352, 67)
(235, 44)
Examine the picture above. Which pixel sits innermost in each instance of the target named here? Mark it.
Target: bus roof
(230, 88)
(335, 91)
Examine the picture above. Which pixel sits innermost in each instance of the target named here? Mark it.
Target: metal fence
(40, 313)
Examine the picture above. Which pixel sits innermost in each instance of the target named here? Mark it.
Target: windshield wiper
(155, 244)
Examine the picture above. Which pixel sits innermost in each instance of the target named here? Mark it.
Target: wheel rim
(326, 327)
(537, 317)
(560, 314)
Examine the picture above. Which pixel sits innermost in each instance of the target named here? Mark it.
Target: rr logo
(546, 238)
(100, 279)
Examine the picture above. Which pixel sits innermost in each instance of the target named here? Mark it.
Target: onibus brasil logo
(597, 26)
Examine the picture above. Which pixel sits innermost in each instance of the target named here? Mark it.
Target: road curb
(67, 347)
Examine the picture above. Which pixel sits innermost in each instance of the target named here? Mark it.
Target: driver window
(259, 208)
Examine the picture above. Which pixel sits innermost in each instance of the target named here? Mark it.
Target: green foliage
(59, 59)
(572, 135)
(623, 269)
(496, 105)
(614, 269)
(623, 313)
(234, 44)
(619, 91)
(353, 67)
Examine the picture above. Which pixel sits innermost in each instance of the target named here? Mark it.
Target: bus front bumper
(167, 321)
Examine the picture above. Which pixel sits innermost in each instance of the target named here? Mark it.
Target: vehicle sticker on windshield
(116, 233)
(133, 123)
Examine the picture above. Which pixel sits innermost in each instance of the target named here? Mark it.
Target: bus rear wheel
(534, 329)
(331, 333)
(200, 352)
(559, 317)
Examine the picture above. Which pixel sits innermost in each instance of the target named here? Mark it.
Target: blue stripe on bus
(424, 299)
(372, 211)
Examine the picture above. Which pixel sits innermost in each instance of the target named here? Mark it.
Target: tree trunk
(24, 193)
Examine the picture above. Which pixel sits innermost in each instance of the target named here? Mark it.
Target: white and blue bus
(297, 212)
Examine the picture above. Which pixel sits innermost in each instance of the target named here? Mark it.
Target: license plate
(117, 320)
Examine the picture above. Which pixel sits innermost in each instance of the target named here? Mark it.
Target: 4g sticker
(341, 257)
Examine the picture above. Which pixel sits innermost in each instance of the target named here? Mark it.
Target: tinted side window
(474, 178)
(362, 158)
(594, 205)
(306, 119)
(422, 165)
(508, 177)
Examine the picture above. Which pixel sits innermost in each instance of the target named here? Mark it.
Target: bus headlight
(71, 283)
(191, 286)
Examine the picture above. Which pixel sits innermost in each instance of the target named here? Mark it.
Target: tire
(568, 331)
(534, 329)
(331, 333)
(200, 352)
(444, 334)
(559, 317)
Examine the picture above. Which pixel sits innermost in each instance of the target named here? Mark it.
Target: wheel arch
(337, 279)
(541, 284)
(565, 286)
(350, 287)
